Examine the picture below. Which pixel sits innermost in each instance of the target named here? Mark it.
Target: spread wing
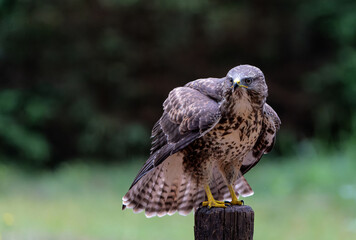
(189, 112)
(265, 142)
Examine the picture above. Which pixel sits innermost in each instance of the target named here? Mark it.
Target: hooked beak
(237, 83)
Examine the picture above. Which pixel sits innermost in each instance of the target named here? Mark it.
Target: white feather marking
(249, 159)
(242, 187)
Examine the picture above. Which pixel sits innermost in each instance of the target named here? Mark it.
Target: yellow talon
(213, 204)
(211, 201)
(234, 199)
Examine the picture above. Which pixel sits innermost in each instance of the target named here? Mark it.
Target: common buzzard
(212, 131)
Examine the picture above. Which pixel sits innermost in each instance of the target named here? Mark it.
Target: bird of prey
(212, 131)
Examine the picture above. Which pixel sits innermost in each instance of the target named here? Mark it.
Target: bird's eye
(248, 81)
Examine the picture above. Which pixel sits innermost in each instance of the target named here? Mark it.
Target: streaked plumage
(212, 131)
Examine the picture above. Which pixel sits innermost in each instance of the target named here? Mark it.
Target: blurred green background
(82, 83)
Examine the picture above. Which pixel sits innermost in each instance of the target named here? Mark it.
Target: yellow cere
(238, 82)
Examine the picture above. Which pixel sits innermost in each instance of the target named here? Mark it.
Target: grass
(312, 196)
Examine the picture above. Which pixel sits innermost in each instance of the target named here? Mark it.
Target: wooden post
(232, 222)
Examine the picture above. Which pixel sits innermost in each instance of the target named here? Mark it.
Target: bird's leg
(211, 201)
(234, 199)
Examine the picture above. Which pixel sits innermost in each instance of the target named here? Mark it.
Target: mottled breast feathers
(265, 142)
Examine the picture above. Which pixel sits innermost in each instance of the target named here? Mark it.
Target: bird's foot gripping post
(234, 199)
(211, 201)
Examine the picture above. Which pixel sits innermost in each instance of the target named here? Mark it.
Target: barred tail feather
(164, 190)
(136, 198)
(199, 197)
(171, 202)
(164, 195)
(242, 187)
(155, 194)
(185, 199)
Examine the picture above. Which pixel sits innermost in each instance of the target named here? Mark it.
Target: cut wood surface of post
(232, 222)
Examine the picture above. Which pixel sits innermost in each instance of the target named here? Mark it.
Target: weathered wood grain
(233, 222)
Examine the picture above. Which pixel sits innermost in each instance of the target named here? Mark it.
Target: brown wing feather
(266, 140)
(189, 112)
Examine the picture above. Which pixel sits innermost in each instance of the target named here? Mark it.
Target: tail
(165, 190)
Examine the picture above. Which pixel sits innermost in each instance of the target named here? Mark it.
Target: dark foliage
(86, 79)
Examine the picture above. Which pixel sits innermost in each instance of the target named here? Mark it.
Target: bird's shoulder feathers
(188, 113)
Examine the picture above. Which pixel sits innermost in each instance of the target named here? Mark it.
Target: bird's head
(250, 79)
